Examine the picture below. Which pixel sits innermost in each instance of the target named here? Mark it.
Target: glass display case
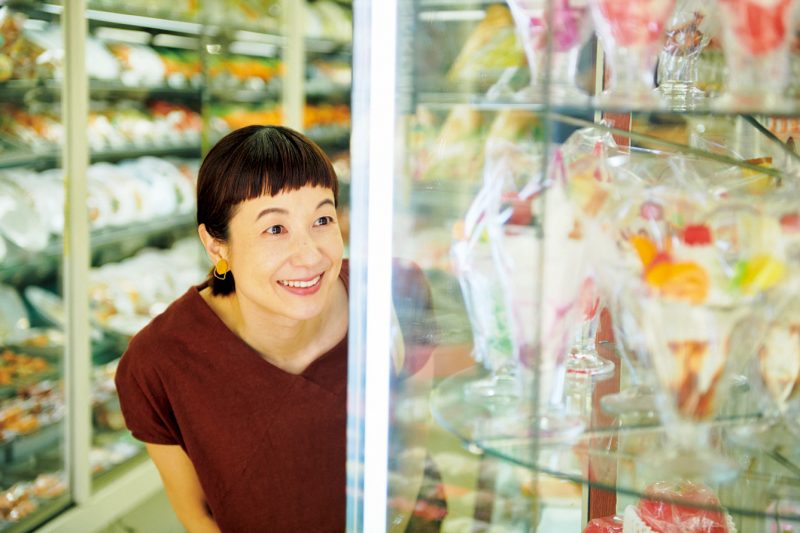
(600, 215)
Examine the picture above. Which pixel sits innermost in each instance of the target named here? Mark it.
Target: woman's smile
(302, 287)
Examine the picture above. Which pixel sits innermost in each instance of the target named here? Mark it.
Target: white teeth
(301, 284)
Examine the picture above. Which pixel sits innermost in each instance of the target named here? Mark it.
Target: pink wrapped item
(662, 510)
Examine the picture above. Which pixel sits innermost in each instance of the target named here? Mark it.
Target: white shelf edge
(109, 503)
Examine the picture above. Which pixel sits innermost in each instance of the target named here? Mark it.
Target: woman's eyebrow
(282, 211)
(271, 210)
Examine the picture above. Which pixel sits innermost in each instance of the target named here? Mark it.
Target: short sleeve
(144, 401)
(413, 304)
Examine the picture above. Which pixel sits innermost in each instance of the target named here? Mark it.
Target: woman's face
(285, 252)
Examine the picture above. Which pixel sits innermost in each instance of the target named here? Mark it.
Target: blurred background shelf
(107, 244)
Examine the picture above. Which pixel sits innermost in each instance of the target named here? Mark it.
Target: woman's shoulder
(168, 331)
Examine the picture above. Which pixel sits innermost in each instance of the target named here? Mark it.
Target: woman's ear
(215, 248)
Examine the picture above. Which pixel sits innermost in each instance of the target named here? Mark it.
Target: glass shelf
(479, 101)
(457, 4)
(608, 456)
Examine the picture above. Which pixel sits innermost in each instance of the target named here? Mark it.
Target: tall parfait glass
(691, 351)
(567, 24)
(703, 283)
(495, 257)
(520, 314)
(632, 33)
(756, 39)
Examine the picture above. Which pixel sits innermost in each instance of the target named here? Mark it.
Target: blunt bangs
(254, 161)
(274, 160)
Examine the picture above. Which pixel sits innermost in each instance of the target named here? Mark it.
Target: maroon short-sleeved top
(269, 446)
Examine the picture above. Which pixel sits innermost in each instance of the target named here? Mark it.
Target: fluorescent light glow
(133, 20)
(253, 49)
(170, 40)
(381, 173)
(123, 35)
(452, 15)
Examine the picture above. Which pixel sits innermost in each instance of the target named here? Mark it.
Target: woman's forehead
(306, 197)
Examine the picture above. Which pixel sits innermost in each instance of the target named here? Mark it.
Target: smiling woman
(236, 385)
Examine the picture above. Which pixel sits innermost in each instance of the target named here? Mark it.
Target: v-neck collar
(315, 368)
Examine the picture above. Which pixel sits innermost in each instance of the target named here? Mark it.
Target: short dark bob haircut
(250, 162)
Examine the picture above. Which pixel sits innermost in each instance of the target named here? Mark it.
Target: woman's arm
(183, 487)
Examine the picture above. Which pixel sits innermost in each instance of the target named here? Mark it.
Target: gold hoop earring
(221, 269)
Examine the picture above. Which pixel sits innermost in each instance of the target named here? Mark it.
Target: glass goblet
(688, 32)
(690, 350)
(583, 357)
(484, 301)
(570, 29)
(637, 395)
(632, 33)
(756, 37)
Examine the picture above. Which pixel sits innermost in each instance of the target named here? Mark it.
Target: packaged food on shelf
(453, 149)
(182, 68)
(30, 420)
(141, 66)
(328, 75)
(19, 368)
(106, 412)
(608, 524)
(130, 125)
(11, 24)
(327, 123)
(13, 317)
(328, 20)
(227, 117)
(16, 503)
(38, 129)
(47, 305)
(19, 223)
(245, 14)
(174, 10)
(23, 58)
(49, 38)
(45, 342)
(22, 498)
(672, 507)
(123, 301)
(243, 72)
(49, 485)
(104, 458)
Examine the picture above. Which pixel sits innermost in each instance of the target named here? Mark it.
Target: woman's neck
(289, 344)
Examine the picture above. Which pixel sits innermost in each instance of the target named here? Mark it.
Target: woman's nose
(306, 251)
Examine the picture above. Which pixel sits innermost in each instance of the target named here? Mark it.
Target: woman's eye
(275, 230)
(324, 221)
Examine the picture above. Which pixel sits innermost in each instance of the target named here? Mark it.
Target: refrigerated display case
(604, 214)
(110, 105)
